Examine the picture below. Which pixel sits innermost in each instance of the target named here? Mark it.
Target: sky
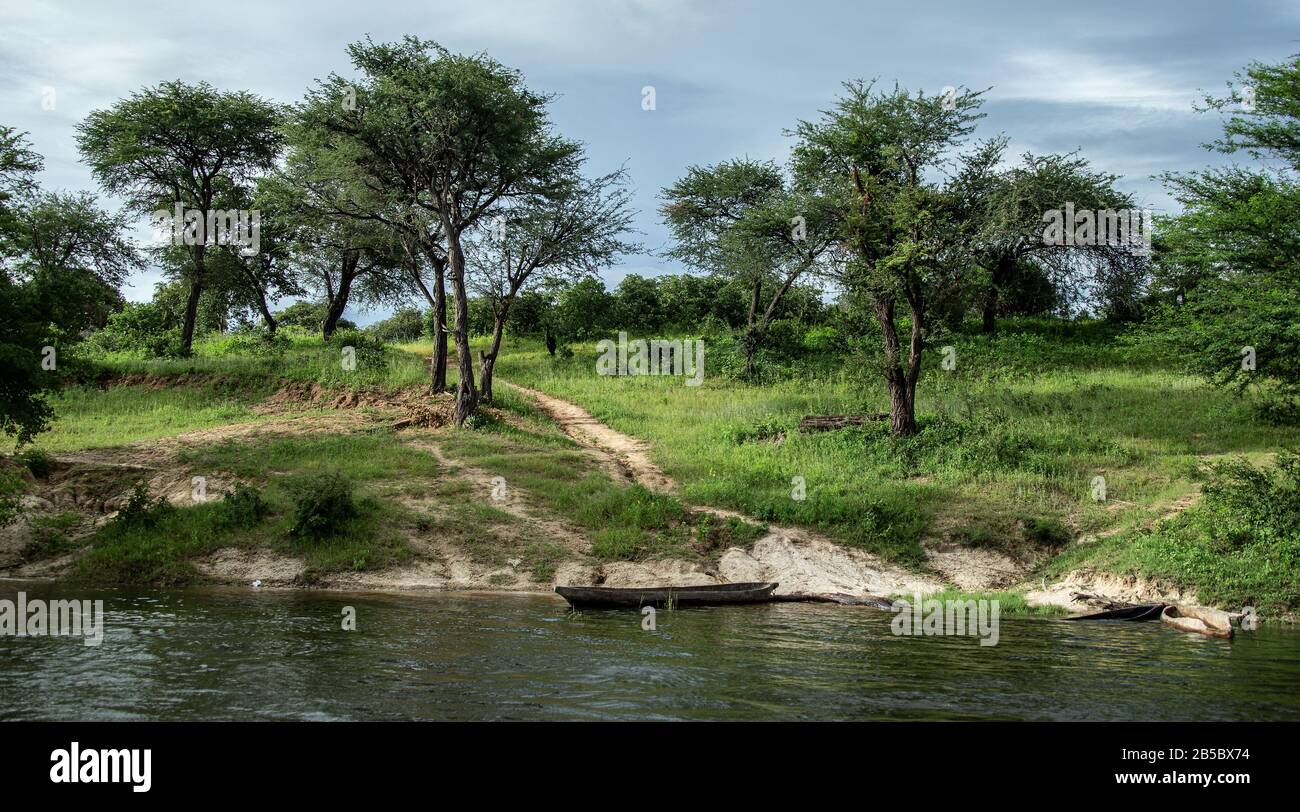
(1117, 81)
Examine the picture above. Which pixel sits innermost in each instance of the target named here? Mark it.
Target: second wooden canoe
(599, 597)
(1147, 611)
(1198, 620)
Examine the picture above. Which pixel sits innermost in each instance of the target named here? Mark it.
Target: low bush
(38, 461)
(323, 506)
(138, 329)
(242, 507)
(140, 512)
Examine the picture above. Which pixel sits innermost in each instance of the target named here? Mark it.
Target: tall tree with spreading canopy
(742, 221)
(61, 261)
(568, 233)
(1228, 266)
(458, 135)
(873, 155)
(1009, 240)
(181, 143)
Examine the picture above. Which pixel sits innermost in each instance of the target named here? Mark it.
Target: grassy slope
(1012, 441)
(222, 384)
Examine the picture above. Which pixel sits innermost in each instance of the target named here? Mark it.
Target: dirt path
(622, 456)
(801, 560)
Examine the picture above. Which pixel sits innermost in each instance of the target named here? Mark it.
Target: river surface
(217, 653)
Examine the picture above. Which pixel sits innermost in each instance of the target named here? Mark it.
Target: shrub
(1046, 531)
(139, 328)
(11, 487)
(38, 461)
(50, 536)
(371, 354)
(406, 324)
(323, 506)
(257, 343)
(140, 512)
(1240, 546)
(242, 507)
(310, 316)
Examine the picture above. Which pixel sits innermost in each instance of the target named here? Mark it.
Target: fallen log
(831, 422)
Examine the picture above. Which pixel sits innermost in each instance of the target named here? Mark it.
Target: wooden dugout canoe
(1198, 620)
(1149, 611)
(599, 597)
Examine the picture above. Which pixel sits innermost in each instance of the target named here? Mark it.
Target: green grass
(625, 522)
(1009, 603)
(89, 417)
(378, 464)
(1240, 546)
(125, 398)
(1010, 442)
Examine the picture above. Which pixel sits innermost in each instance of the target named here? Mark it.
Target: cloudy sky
(1116, 80)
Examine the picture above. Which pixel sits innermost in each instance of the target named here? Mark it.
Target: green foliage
(38, 461)
(252, 343)
(309, 316)
(11, 488)
(242, 507)
(1240, 546)
(407, 324)
(142, 513)
(369, 352)
(25, 333)
(50, 536)
(1047, 531)
(323, 506)
(139, 329)
(1229, 263)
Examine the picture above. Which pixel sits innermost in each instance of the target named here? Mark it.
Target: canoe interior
(596, 596)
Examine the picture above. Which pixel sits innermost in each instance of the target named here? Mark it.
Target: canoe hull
(596, 597)
(1198, 620)
(1150, 611)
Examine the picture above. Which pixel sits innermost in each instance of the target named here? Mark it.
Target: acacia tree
(61, 260)
(1228, 266)
(257, 281)
(341, 257)
(340, 179)
(459, 136)
(904, 235)
(181, 143)
(740, 220)
(1010, 241)
(568, 233)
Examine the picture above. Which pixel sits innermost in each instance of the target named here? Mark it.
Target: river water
(218, 653)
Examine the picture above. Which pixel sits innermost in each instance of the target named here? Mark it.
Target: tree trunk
(271, 323)
(337, 304)
(902, 415)
(1001, 275)
(991, 311)
(750, 341)
(265, 306)
(191, 315)
(438, 309)
(489, 360)
(466, 393)
(440, 328)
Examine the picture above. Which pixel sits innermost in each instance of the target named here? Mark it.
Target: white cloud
(1061, 77)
